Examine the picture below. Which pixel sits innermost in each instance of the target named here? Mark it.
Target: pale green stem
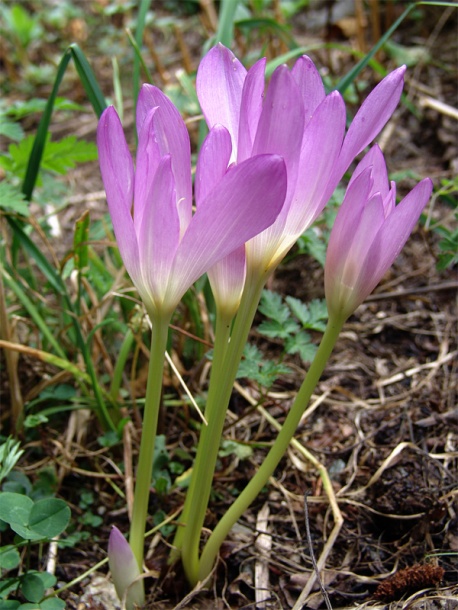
(192, 518)
(150, 417)
(226, 361)
(276, 452)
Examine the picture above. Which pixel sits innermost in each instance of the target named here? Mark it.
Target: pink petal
(124, 569)
(213, 162)
(117, 171)
(148, 158)
(394, 233)
(248, 200)
(375, 159)
(345, 226)
(320, 149)
(219, 85)
(172, 137)
(310, 84)
(251, 108)
(372, 116)
(160, 231)
(281, 125)
(227, 278)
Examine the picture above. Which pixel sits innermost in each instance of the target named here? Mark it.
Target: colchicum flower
(368, 234)
(124, 569)
(166, 248)
(294, 119)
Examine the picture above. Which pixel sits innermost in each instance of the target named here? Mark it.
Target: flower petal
(172, 137)
(310, 85)
(374, 113)
(248, 200)
(281, 125)
(393, 235)
(375, 159)
(320, 149)
(117, 171)
(345, 226)
(213, 162)
(227, 278)
(147, 160)
(219, 85)
(250, 109)
(160, 233)
(124, 569)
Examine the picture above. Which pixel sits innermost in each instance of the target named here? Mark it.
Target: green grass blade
(225, 32)
(33, 313)
(350, 77)
(141, 20)
(95, 97)
(37, 255)
(33, 165)
(88, 80)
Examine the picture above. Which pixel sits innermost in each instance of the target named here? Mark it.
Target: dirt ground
(382, 422)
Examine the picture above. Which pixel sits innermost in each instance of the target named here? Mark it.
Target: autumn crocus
(368, 234)
(124, 570)
(296, 119)
(164, 246)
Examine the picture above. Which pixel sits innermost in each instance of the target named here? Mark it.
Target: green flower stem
(226, 361)
(195, 506)
(150, 417)
(120, 364)
(276, 452)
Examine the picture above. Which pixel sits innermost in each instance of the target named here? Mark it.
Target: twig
(312, 554)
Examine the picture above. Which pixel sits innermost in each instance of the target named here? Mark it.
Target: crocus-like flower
(166, 248)
(297, 120)
(124, 570)
(368, 234)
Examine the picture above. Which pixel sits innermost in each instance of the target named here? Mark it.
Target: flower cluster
(269, 164)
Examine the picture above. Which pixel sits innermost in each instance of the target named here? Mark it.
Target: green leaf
(12, 200)
(9, 557)
(272, 307)
(312, 316)
(274, 329)
(32, 587)
(240, 450)
(10, 129)
(9, 604)
(301, 344)
(15, 509)
(52, 603)
(49, 517)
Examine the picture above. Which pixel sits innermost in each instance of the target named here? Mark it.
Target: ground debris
(408, 581)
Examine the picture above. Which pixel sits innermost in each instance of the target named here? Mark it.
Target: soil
(383, 420)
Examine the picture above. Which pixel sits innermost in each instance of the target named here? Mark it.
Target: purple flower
(124, 569)
(166, 248)
(297, 120)
(368, 234)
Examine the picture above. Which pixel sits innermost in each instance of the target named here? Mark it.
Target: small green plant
(289, 320)
(254, 366)
(33, 522)
(448, 245)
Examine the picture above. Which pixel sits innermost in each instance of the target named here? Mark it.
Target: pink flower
(124, 570)
(294, 119)
(368, 234)
(166, 248)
